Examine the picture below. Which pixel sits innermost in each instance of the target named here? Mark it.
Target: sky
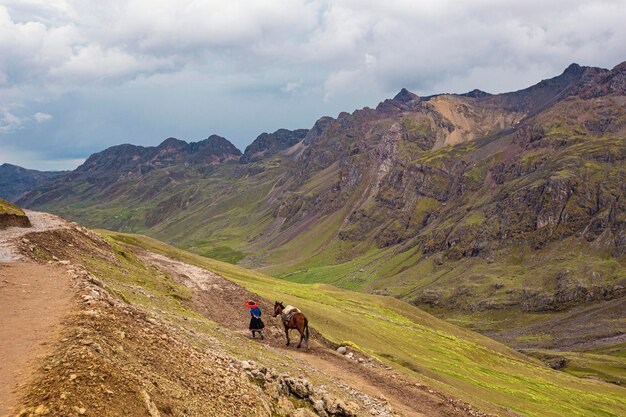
(79, 76)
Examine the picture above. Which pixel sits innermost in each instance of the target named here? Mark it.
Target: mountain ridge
(468, 203)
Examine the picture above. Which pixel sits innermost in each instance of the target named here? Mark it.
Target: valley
(160, 331)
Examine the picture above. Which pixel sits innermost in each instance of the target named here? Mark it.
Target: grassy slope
(9, 208)
(464, 364)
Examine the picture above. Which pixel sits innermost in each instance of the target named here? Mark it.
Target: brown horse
(296, 321)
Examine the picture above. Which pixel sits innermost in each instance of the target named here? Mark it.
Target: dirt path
(222, 301)
(33, 301)
(40, 222)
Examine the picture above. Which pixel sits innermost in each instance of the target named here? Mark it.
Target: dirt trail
(40, 222)
(33, 301)
(222, 301)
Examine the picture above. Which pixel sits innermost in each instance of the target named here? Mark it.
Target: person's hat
(251, 304)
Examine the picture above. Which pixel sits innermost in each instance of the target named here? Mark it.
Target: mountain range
(468, 205)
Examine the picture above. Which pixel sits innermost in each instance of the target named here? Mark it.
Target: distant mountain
(127, 158)
(14, 180)
(268, 144)
(457, 203)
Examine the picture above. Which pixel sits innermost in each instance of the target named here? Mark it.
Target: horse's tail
(306, 331)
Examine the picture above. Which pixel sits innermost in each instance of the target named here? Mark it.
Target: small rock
(339, 407)
(558, 362)
(319, 406)
(80, 410)
(42, 410)
(300, 387)
(64, 262)
(73, 377)
(342, 350)
(95, 281)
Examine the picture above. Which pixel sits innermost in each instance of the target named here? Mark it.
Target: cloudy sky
(79, 76)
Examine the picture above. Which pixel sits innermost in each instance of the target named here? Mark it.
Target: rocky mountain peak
(573, 69)
(476, 93)
(318, 129)
(172, 143)
(405, 96)
(267, 144)
(598, 82)
(214, 145)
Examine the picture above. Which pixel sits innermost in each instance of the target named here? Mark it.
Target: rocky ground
(110, 355)
(39, 222)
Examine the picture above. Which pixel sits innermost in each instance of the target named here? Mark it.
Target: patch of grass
(476, 218)
(221, 253)
(538, 338)
(10, 208)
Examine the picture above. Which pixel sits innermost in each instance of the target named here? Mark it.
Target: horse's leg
(306, 330)
(287, 334)
(301, 338)
(300, 327)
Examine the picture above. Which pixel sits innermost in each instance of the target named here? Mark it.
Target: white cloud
(10, 120)
(41, 117)
(291, 87)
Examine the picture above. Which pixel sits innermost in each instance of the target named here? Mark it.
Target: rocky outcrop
(283, 386)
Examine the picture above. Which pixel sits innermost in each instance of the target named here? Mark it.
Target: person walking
(256, 324)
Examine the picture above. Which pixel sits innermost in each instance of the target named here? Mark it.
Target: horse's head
(278, 308)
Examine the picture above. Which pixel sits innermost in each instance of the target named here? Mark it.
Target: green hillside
(9, 208)
(462, 363)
